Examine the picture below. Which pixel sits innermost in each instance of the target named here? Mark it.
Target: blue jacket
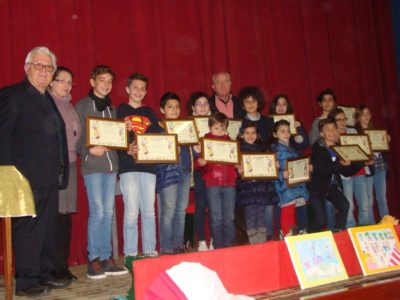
(287, 194)
(169, 174)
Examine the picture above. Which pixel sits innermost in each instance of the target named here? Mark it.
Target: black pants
(63, 240)
(33, 240)
(334, 195)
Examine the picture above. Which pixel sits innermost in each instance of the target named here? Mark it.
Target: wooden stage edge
(378, 286)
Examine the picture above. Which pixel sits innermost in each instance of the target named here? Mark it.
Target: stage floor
(85, 288)
(103, 289)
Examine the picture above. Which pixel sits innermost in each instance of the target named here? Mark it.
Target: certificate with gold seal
(258, 166)
(220, 151)
(233, 128)
(111, 133)
(201, 125)
(156, 148)
(184, 129)
(379, 139)
(288, 117)
(361, 140)
(350, 153)
(298, 171)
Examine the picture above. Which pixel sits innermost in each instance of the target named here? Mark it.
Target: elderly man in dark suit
(32, 138)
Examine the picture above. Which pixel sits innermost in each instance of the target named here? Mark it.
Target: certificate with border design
(110, 133)
(288, 117)
(299, 171)
(258, 165)
(349, 112)
(156, 148)
(220, 151)
(233, 128)
(379, 140)
(377, 248)
(352, 153)
(361, 140)
(184, 129)
(201, 125)
(316, 259)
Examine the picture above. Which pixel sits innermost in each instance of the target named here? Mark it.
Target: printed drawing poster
(377, 248)
(316, 259)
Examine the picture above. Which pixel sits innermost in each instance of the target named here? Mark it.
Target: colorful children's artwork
(377, 248)
(316, 259)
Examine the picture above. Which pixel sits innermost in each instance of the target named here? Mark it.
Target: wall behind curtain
(296, 47)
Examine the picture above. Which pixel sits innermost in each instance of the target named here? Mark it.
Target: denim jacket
(287, 194)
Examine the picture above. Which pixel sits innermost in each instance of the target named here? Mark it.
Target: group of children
(270, 205)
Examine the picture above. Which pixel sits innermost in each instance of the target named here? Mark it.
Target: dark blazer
(237, 110)
(32, 135)
(324, 168)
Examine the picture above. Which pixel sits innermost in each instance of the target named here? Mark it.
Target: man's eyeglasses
(42, 67)
(69, 83)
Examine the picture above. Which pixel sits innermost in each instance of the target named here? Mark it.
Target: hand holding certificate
(109, 133)
(258, 166)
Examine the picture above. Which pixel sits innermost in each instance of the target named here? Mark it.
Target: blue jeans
(378, 181)
(174, 200)
(200, 205)
(269, 219)
(221, 202)
(330, 212)
(365, 212)
(100, 188)
(348, 193)
(138, 190)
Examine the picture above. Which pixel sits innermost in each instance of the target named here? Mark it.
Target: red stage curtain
(296, 47)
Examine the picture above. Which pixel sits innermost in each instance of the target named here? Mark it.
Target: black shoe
(33, 291)
(56, 284)
(70, 276)
(65, 275)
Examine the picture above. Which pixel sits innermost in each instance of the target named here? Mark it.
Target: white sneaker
(202, 246)
(211, 245)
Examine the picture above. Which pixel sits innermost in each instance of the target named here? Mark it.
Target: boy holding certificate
(326, 182)
(220, 180)
(137, 181)
(99, 167)
(173, 185)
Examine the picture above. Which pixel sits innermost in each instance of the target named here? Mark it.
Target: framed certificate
(201, 126)
(156, 148)
(220, 151)
(361, 140)
(379, 140)
(258, 166)
(350, 153)
(316, 259)
(349, 111)
(233, 128)
(299, 170)
(110, 133)
(288, 117)
(184, 129)
(377, 248)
